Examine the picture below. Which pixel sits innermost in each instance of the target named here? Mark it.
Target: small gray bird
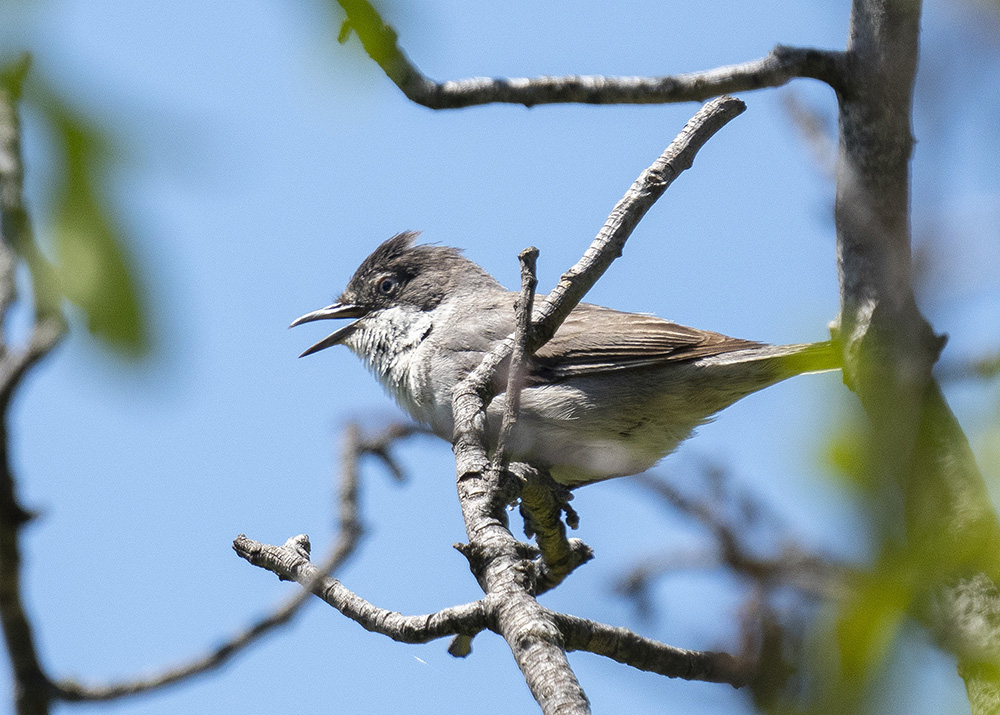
(609, 395)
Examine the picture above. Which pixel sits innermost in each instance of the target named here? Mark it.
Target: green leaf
(12, 75)
(93, 267)
(378, 38)
(344, 32)
(870, 619)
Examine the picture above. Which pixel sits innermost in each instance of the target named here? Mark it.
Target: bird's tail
(809, 357)
(788, 359)
(753, 369)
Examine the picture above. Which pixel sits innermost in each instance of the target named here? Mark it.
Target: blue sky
(265, 161)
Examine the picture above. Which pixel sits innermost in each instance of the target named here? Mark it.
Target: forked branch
(538, 637)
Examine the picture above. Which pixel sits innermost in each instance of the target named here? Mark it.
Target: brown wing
(595, 340)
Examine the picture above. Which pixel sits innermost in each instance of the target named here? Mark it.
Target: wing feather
(595, 340)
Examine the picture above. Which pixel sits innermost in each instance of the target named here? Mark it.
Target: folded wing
(595, 340)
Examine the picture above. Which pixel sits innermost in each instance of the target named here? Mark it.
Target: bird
(610, 394)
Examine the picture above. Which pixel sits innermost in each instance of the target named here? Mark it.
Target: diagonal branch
(777, 68)
(496, 557)
(470, 396)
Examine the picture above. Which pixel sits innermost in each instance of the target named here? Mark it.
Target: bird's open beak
(331, 312)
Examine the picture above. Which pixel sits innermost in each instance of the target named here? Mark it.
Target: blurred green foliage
(91, 265)
(378, 38)
(930, 525)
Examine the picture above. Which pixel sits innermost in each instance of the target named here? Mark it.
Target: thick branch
(917, 448)
(780, 66)
(498, 560)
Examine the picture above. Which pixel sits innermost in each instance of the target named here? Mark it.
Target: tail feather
(792, 359)
(811, 357)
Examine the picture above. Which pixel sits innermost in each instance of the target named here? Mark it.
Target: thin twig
(349, 532)
(780, 66)
(519, 355)
(291, 562)
(31, 685)
(469, 398)
(497, 559)
(809, 573)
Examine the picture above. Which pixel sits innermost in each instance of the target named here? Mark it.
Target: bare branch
(626, 647)
(540, 506)
(14, 221)
(809, 573)
(291, 562)
(31, 684)
(780, 66)
(625, 216)
(469, 397)
(45, 335)
(497, 559)
(70, 690)
(917, 445)
(349, 533)
(519, 355)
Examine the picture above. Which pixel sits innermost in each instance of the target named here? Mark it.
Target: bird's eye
(387, 285)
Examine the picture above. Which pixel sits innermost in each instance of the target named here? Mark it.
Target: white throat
(388, 343)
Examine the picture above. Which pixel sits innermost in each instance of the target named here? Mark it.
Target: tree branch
(519, 355)
(497, 559)
(626, 647)
(349, 532)
(469, 397)
(917, 448)
(31, 685)
(780, 66)
(291, 563)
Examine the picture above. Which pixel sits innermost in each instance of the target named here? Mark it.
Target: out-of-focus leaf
(378, 38)
(869, 620)
(12, 75)
(344, 32)
(847, 451)
(93, 267)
